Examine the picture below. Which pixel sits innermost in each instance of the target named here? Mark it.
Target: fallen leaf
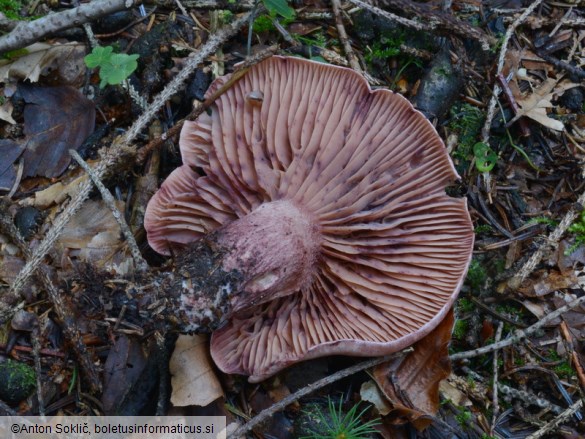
(54, 194)
(56, 119)
(371, 393)
(544, 282)
(193, 379)
(92, 235)
(39, 58)
(6, 112)
(9, 153)
(126, 365)
(452, 393)
(413, 386)
(535, 105)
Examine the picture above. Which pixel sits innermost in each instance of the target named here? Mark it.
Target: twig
(495, 404)
(519, 334)
(485, 132)
(570, 347)
(120, 147)
(556, 422)
(141, 264)
(433, 20)
(270, 411)
(351, 56)
(36, 351)
(28, 32)
(529, 398)
(390, 16)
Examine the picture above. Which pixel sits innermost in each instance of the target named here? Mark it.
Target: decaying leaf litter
(511, 117)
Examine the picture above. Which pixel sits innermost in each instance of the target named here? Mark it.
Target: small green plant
(578, 229)
(485, 157)
(279, 7)
(337, 426)
(464, 417)
(114, 67)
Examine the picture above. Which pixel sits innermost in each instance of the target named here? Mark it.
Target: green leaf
(98, 57)
(118, 69)
(279, 7)
(485, 157)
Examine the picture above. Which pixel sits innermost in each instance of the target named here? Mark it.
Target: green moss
(564, 370)
(460, 329)
(483, 228)
(17, 381)
(578, 231)
(11, 8)
(476, 275)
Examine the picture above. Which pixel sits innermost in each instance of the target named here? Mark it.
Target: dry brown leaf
(534, 106)
(56, 119)
(40, 57)
(92, 235)
(544, 282)
(6, 112)
(193, 379)
(55, 194)
(413, 388)
(371, 393)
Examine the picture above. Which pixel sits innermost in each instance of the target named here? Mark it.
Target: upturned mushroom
(322, 204)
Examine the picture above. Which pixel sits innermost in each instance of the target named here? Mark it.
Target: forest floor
(503, 83)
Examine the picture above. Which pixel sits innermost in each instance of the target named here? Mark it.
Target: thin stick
(120, 147)
(28, 32)
(141, 264)
(36, 351)
(556, 422)
(351, 56)
(495, 404)
(519, 334)
(270, 411)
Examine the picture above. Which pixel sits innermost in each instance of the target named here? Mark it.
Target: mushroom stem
(269, 253)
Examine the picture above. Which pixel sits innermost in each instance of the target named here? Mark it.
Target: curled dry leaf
(535, 104)
(413, 387)
(65, 59)
(193, 379)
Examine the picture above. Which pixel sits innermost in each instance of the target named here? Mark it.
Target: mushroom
(326, 202)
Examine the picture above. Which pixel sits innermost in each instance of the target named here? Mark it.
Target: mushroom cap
(371, 169)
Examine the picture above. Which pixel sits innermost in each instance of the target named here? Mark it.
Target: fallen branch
(431, 20)
(28, 32)
(556, 422)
